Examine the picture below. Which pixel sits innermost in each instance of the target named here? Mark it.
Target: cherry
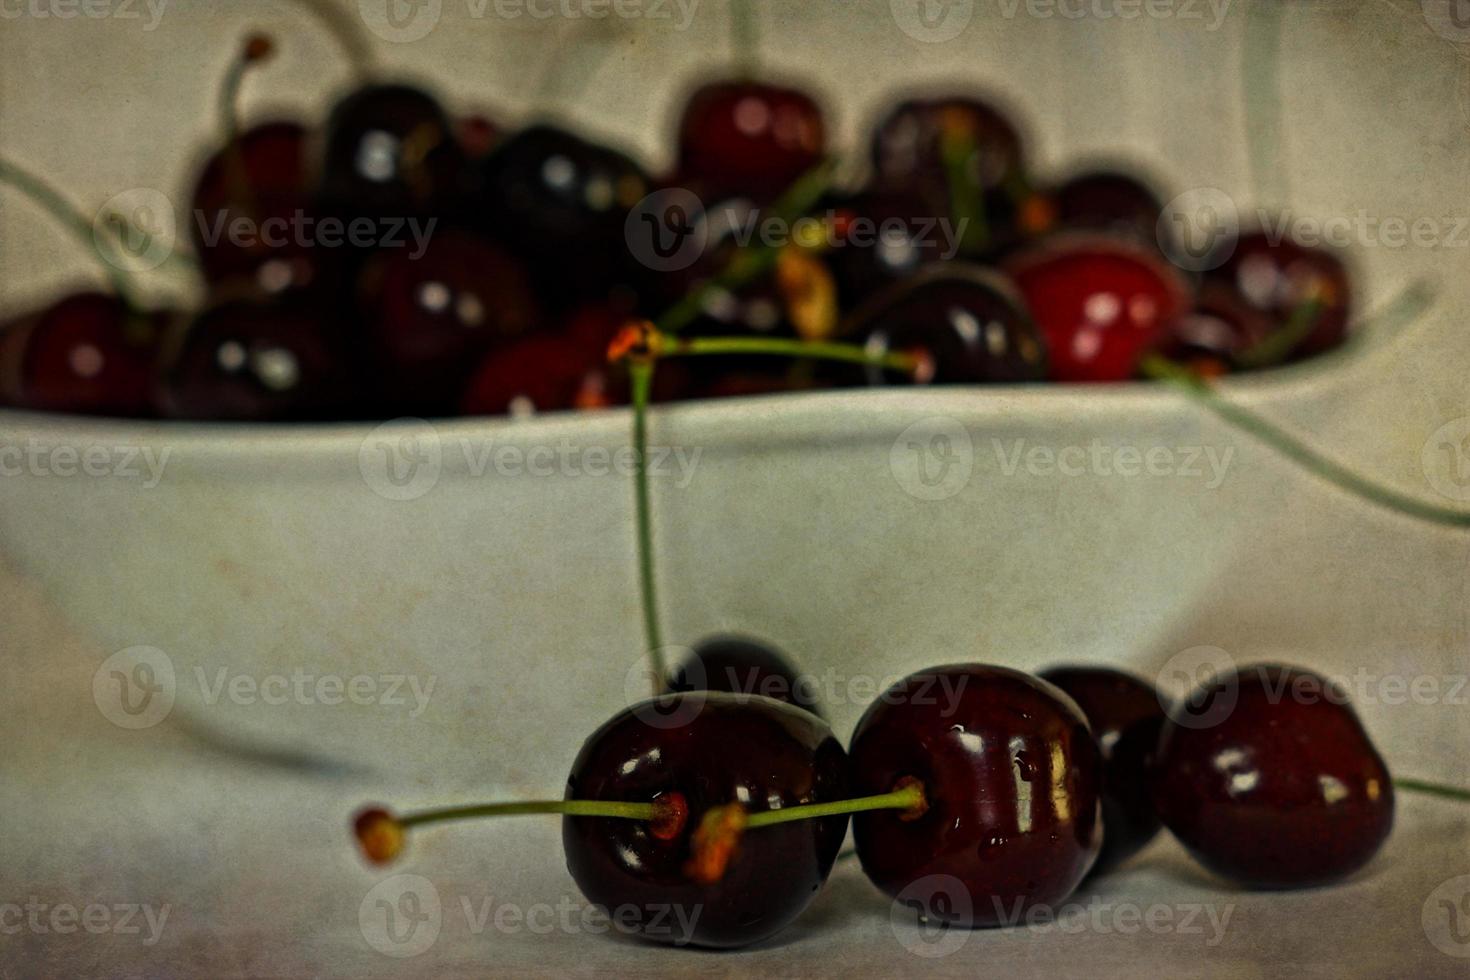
(1101, 304)
(1279, 279)
(562, 202)
(742, 665)
(1126, 715)
(1212, 335)
(750, 138)
(430, 317)
(390, 150)
(252, 361)
(883, 237)
(1108, 201)
(1012, 779)
(259, 183)
(913, 152)
(539, 373)
(87, 353)
(729, 749)
(968, 320)
(1266, 775)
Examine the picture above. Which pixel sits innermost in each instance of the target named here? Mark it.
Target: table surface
(157, 853)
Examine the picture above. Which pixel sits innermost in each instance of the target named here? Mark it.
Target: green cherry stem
(71, 217)
(1279, 345)
(569, 808)
(909, 797)
(966, 209)
(346, 30)
(1204, 394)
(744, 36)
(1429, 788)
(907, 362)
(256, 50)
(752, 261)
(641, 375)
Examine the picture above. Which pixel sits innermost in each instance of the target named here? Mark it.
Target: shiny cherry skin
(1012, 779)
(257, 362)
(751, 138)
(87, 353)
(539, 373)
(561, 203)
(1110, 202)
(742, 665)
(1271, 781)
(1215, 331)
(714, 749)
(1275, 278)
(967, 319)
(1126, 715)
(390, 150)
(1101, 303)
(908, 157)
(431, 318)
(261, 184)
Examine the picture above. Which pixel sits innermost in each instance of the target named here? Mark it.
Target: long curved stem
(1202, 393)
(571, 808)
(641, 371)
(1429, 788)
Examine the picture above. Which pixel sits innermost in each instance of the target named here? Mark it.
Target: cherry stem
(71, 217)
(909, 797)
(1429, 788)
(752, 261)
(346, 29)
(744, 35)
(966, 209)
(256, 49)
(1260, 76)
(570, 808)
(910, 363)
(1204, 394)
(641, 372)
(1280, 344)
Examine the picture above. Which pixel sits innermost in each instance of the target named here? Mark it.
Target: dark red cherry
(561, 202)
(1101, 303)
(1012, 779)
(1266, 775)
(88, 353)
(1126, 715)
(968, 320)
(714, 749)
(1110, 202)
(253, 216)
(882, 237)
(751, 138)
(539, 373)
(1215, 331)
(390, 151)
(431, 317)
(1276, 278)
(911, 152)
(249, 361)
(743, 665)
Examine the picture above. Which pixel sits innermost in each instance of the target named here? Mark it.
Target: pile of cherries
(527, 273)
(977, 793)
